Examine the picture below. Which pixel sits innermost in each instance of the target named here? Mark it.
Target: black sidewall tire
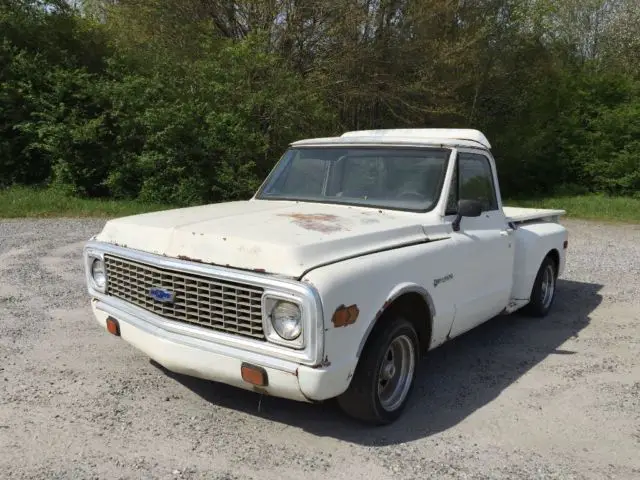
(535, 306)
(361, 399)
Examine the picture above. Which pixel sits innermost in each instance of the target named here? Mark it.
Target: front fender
(371, 283)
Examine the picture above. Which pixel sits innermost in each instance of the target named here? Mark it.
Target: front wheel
(544, 289)
(385, 374)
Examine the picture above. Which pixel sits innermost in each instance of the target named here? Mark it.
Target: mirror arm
(456, 223)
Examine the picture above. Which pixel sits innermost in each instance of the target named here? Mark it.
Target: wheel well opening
(555, 256)
(414, 308)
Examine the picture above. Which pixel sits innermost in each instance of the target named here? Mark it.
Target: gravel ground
(515, 398)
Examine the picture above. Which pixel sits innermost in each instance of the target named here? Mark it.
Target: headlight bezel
(270, 300)
(103, 267)
(90, 259)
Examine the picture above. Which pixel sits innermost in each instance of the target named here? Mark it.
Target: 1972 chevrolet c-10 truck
(358, 254)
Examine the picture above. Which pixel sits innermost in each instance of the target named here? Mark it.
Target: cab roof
(406, 136)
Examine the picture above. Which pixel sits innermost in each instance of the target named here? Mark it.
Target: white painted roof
(425, 133)
(431, 136)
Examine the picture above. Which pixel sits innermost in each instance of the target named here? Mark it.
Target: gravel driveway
(515, 398)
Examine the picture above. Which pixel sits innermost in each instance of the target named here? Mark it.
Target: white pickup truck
(356, 256)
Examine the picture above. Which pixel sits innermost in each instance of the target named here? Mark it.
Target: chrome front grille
(199, 300)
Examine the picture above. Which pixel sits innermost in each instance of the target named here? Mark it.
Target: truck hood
(283, 238)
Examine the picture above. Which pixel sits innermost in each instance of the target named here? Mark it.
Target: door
(484, 245)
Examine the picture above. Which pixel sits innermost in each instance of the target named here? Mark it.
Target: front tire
(544, 289)
(385, 374)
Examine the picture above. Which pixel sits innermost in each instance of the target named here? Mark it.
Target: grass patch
(589, 207)
(20, 202)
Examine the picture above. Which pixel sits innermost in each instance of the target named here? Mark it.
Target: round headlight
(98, 273)
(287, 320)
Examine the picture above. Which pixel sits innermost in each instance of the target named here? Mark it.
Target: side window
(472, 175)
(476, 181)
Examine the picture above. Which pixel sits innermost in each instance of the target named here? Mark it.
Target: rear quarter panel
(533, 242)
(371, 282)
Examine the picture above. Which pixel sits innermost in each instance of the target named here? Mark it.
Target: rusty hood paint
(284, 238)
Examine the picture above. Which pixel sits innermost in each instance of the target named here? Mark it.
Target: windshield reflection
(392, 177)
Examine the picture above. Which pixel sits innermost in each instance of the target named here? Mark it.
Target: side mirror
(466, 208)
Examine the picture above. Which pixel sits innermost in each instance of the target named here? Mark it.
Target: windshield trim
(261, 196)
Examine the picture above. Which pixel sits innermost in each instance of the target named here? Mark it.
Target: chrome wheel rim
(548, 286)
(396, 373)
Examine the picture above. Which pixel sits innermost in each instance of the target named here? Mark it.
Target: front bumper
(208, 360)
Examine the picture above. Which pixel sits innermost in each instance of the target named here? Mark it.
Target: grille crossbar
(201, 300)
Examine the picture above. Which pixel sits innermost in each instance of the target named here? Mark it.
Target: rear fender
(533, 242)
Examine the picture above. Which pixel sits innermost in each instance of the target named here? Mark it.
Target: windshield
(392, 177)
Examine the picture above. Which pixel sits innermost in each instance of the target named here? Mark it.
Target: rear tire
(544, 289)
(385, 375)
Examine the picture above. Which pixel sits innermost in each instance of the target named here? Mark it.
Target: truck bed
(521, 215)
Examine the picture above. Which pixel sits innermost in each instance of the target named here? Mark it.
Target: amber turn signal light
(254, 375)
(344, 316)
(113, 327)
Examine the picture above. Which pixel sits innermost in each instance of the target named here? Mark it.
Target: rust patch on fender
(318, 222)
(323, 364)
(189, 259)
(344, 316)
(384, 307)
(197, 260)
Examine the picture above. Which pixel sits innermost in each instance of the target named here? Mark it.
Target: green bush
(167, 131)
(45, 55)
(207, 131)
(600, 133)
(22, 80)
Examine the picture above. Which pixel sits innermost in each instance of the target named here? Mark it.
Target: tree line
(191, 101)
